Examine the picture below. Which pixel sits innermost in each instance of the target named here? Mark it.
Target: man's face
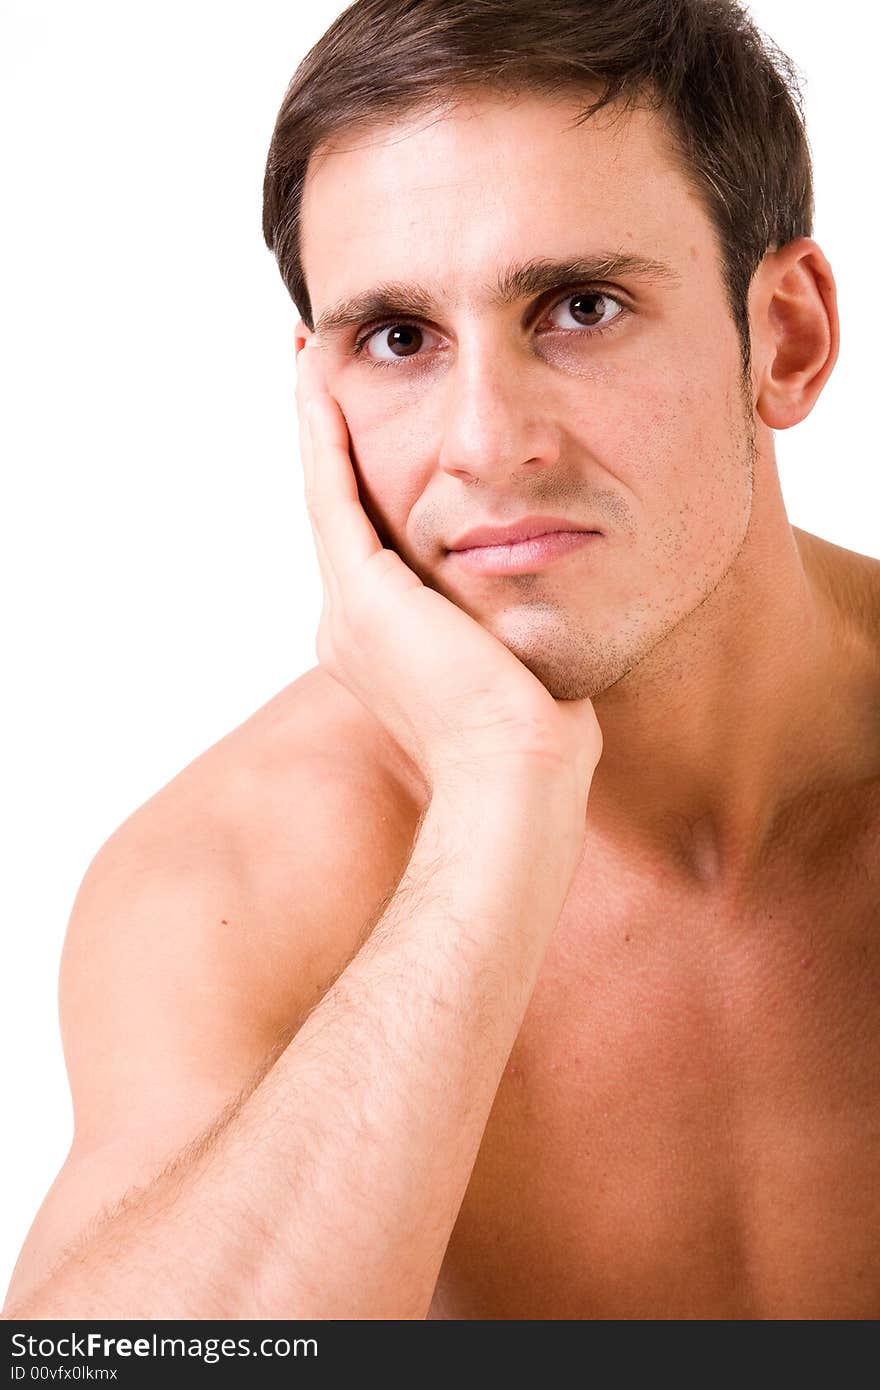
(613, 401)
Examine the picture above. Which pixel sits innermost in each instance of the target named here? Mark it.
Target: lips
(525, 529)
(529, 556)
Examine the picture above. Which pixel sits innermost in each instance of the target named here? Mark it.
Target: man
(519, 961)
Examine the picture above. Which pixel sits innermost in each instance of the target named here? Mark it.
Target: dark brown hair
(730, 97)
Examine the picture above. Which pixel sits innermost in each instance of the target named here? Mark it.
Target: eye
(591, 309)
(401, 340)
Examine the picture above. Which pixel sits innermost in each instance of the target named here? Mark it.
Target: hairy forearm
(332, 1191)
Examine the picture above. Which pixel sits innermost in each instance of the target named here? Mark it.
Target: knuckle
(390, 576)
(360, 608)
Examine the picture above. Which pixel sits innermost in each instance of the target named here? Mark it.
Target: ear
(795, 331)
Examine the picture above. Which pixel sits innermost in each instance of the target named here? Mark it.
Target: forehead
(443, 197)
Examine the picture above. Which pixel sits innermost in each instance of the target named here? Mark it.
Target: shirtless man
(520, 960)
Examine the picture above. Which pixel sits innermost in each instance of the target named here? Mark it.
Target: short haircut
(730, 98)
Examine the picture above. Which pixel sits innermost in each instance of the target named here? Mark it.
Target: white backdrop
(157, 569)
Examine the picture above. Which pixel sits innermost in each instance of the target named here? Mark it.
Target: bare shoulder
(852, 582)
(246, 883)
(850, 585)
(203, 932)
(307, 800)
(848, 807)
(223, 909)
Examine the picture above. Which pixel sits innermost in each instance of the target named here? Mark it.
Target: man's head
(459, 150)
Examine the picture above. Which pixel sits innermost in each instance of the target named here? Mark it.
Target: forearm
(333, 1190)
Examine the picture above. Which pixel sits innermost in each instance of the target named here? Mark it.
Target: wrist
(513, 831)
(544, 775)
(518, 802)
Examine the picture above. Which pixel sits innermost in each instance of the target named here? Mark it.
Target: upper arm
(192, 955)
(157, 1041)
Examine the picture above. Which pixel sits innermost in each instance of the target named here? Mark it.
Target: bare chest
(689, 1122)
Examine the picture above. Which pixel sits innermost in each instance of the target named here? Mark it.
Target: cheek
(671, 441)
(696, 479)
(670, 434)
(387, 439)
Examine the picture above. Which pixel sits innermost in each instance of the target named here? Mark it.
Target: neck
(751, 704)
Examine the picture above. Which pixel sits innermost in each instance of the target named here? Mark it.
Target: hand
(450, 693)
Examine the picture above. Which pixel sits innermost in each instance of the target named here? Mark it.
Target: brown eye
(404, 339)
(399, 340)
(589, 309)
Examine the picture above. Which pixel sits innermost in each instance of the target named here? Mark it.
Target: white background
(157, 571)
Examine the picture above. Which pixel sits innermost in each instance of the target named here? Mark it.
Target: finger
(339, 521)
(309, 382)
(310, 378)
(330, 583)
(346, 532)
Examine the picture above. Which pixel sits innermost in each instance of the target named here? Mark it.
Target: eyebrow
(516, 282)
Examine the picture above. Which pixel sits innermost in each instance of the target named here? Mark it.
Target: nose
(496, 426)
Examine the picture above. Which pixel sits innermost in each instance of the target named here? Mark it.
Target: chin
(564, 682)
(570, 662)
